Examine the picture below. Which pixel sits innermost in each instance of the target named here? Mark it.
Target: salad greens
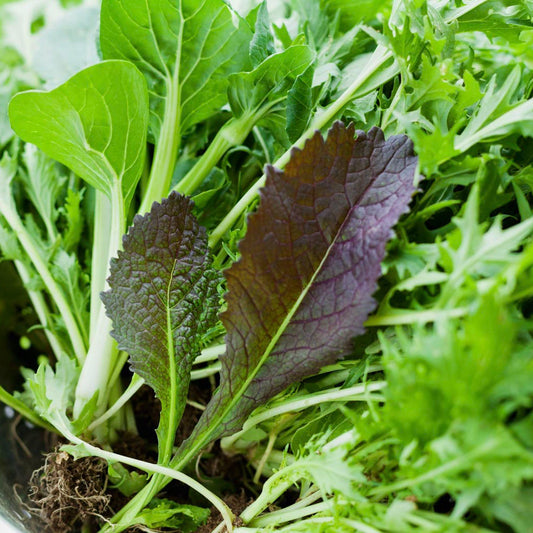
(318, 212)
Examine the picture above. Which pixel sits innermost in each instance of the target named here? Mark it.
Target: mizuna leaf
(95, 124)
(163, 296)
(311, 258)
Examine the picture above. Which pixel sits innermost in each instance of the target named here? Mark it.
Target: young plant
(191, 203)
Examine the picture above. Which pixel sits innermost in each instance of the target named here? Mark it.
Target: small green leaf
(71, 211)
(299, 104)
(95, 124)
(43, 185)
(249, 91)
(262, 44)
(128, 483)
(166, 513)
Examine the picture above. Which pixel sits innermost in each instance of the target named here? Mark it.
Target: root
(67, 494)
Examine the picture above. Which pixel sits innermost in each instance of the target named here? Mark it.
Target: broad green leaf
(95, 124)
(185, 48)
(162, 298)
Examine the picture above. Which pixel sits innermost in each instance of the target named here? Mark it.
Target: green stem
(273, 488)
(380, 56)
(100, 258)
(413, 317)
(32, 250)
(288, 515)
(126, 516)
(101, 357)
(362, 392)
(233, 133)
(41, 309)
(210, 370)
(211, 353)
(166, 151)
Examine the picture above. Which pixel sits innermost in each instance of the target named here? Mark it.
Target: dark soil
(237, 504)
(147, 407)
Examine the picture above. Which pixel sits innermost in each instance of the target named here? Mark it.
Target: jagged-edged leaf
(43, 185)
(163, 296)
(185, 48)
(310, 263)
(95, 124)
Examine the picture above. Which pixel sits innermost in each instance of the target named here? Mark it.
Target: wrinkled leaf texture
(310, 262)
(163, 296)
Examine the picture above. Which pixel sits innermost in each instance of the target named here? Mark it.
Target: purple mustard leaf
(163, 296)
(309, 265)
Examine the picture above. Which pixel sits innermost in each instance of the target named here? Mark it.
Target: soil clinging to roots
(68, 493)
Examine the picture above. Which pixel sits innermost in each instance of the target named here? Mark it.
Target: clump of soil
(135, 446)
(68, 493)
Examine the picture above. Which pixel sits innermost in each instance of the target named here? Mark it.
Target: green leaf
(498, 114)
(162, 298)
(69, 276)
(8, 169)
(66, 45)
(95, 124)
(185, 49)
(262, 43)
(299, 104)
(167, 513)
(513, 508)
(72, 213)
(43, 184)
(248, 92)
(128, 483)
(52, 390)
(473, 251)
